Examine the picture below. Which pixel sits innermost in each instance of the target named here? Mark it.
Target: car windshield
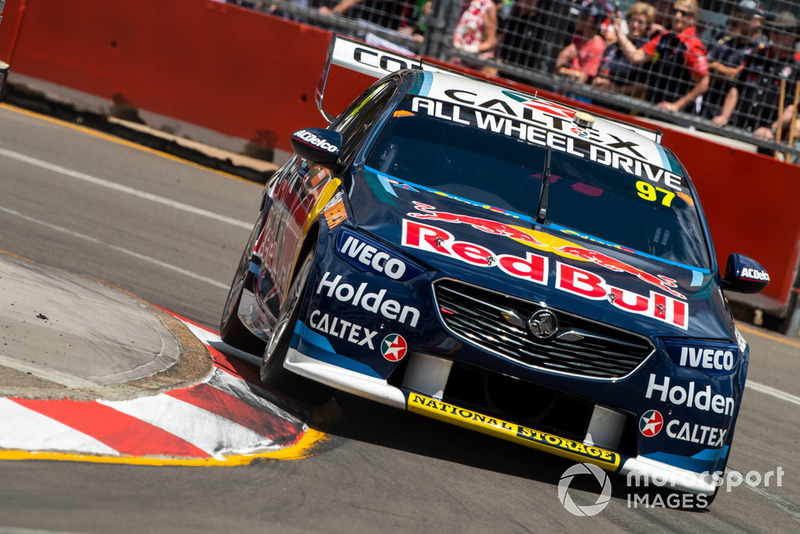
(594, 200)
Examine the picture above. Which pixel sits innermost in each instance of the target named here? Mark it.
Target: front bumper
(418, 394)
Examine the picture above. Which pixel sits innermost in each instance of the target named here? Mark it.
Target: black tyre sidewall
(231, 329)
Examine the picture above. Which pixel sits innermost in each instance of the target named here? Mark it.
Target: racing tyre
(231, 329)
(273, 374)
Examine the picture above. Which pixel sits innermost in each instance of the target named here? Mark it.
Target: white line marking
(787, 506)
(777, 393)
(122, 188)
(136, 255)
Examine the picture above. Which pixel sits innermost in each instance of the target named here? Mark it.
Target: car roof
(616, 139)
(606, 141)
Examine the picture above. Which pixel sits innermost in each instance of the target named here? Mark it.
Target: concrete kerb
(69, 336)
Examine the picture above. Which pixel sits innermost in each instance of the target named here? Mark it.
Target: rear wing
(367, 59)
(378, 62)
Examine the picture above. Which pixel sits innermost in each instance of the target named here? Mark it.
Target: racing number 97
(650, 192)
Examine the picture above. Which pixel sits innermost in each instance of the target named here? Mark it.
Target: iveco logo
(543, 324)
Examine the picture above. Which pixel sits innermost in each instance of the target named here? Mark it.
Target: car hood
(478, 244)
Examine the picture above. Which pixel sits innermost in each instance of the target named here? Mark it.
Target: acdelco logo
(311, 139)
(755, 274)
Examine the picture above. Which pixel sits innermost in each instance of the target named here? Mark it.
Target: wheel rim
(285, 322)
(238, 281)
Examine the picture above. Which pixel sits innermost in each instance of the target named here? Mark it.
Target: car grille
(497, 323)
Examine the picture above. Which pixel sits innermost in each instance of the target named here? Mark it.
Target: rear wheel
(231, 329)
(273, 374)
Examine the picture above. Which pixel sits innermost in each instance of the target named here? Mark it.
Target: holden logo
(651, 423)
(394, 347)
(543, 324)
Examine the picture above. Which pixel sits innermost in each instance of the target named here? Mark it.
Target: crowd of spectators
(743, 74)
(746, 76)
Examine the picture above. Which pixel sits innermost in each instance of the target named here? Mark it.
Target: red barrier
(252, 76)
(232, 70)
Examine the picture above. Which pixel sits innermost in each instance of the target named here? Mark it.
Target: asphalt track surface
(170, 233)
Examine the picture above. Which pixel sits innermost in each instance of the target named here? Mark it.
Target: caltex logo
(551, 108)
(651, 423)
(394, 347)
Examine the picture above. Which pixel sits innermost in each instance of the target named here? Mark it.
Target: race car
(502, 262)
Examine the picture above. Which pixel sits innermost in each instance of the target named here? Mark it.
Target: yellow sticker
(529, 437)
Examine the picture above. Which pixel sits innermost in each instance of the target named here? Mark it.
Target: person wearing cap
(756, 94)
(616, 73)
(678, 65)
(727, 56)
(580, 64)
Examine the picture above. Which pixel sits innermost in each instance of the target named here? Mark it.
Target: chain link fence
(726, 67)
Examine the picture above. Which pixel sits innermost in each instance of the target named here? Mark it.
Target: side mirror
(744, 275)
(318, 145)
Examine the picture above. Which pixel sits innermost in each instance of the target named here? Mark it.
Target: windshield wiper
(544, 193)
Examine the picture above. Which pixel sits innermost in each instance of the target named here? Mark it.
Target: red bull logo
(571, 250)
(535, 268)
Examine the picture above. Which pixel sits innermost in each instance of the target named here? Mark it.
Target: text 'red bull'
(534, 268)
(578, 252)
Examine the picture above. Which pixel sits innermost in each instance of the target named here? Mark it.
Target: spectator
(616, 73)
(418, 23)
(662, 19)
(611, 9)
(580, 62)
(754, 24)
(678, 65)
(476, 30)
(386, 13)
(727, 56)
(756, 95)
(523, 33)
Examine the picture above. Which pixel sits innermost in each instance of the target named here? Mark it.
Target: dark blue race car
(501, 262)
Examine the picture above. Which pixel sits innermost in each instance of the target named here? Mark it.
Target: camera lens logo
(602, 499)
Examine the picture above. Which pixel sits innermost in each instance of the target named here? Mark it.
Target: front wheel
(231, 329)
(273, 374)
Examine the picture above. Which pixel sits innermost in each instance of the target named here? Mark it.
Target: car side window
(357, 120)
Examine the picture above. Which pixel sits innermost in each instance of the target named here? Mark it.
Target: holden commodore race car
(502, 262)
